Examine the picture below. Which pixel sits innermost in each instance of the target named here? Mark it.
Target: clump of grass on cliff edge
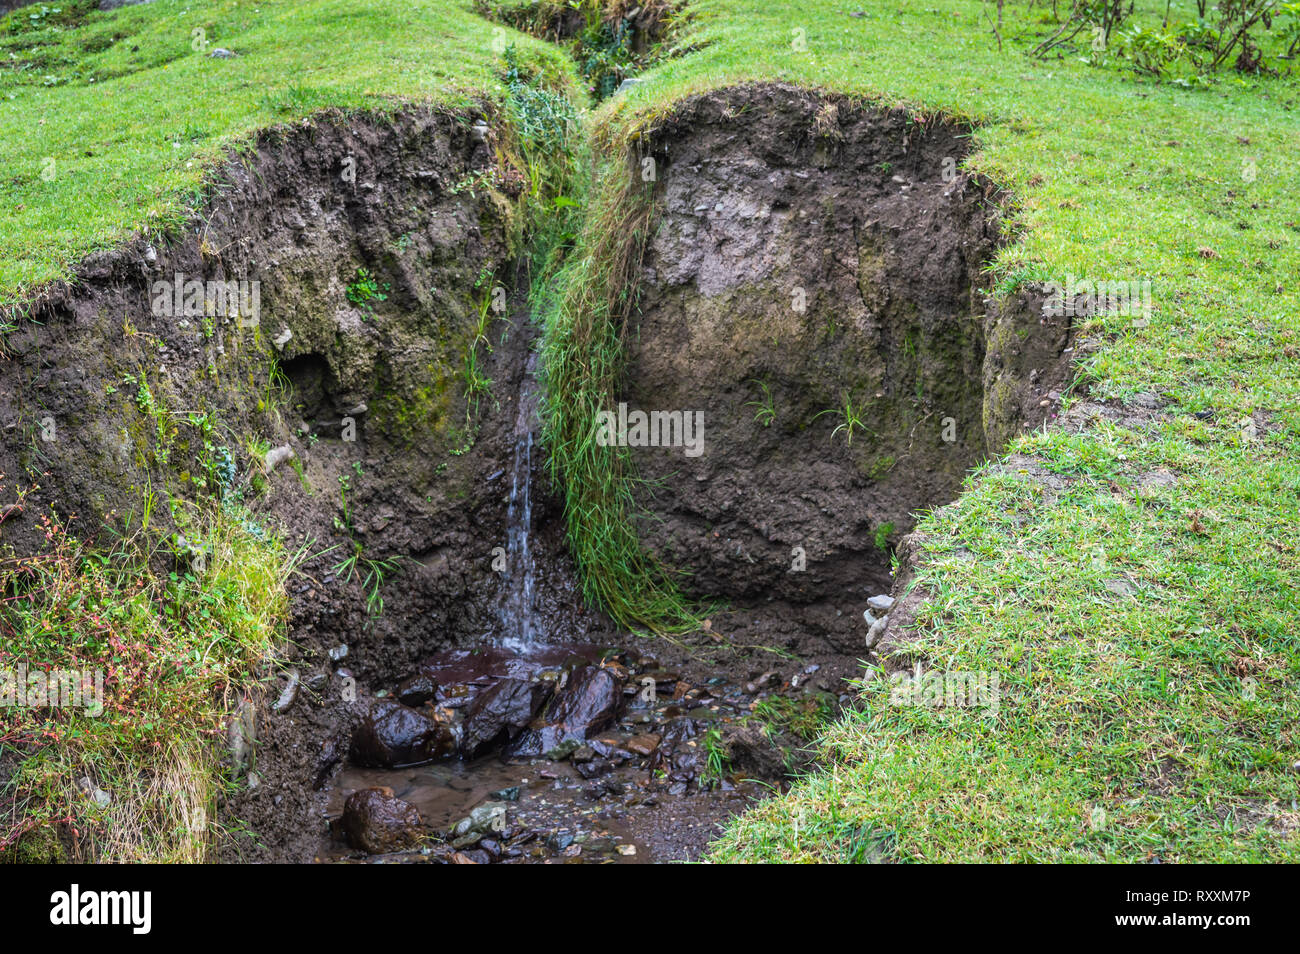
(582, 354)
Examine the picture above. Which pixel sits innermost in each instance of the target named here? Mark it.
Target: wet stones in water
(375, 821)
(392, 735)
(644, 744)
(589, 703)
(498, 714)
(417, 690)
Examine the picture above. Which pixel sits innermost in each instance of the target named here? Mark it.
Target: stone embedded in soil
(375, 821)
(331, 753)
(588, 704)
(752, 754)
(881, 603)
(391, 735)
(499, 714)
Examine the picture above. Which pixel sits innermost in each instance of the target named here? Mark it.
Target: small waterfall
(517, 606)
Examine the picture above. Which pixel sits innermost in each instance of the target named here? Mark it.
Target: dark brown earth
(825, 252)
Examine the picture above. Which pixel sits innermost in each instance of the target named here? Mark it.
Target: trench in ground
(813, 274)
(807, 254)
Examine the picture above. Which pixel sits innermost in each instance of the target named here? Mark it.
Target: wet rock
(376, 822)
(417, 690)
(763, 681)
(563, 749)
(510, 794)
(455, 697)
(331, 753)
(392, 735)
(584, 753)
(588, 704)
(487, 818)
(317, 681)
(590, 770)
(644, 744)
(289, 694)
(499, 714)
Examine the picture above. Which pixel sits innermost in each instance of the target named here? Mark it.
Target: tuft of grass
(581, 359)
(176, 651)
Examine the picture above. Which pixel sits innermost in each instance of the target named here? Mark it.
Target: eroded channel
(812, 287)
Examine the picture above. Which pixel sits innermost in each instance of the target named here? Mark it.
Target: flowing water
(516, 612)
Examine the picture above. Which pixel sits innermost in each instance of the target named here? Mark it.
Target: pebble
(876, 631)
(881, 604)
(289, 694)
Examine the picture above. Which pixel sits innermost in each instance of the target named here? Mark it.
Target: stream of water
(516, 612)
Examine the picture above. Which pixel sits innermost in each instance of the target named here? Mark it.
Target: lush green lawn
(109, 120)
(1159, 721)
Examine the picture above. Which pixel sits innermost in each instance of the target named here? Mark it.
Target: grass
(1114, 177)
(175, 651)
(112, 121)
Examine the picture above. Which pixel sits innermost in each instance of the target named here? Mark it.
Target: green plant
(850, 419)
(882, 536)
(366, 289)
(717, 759)
(766, 412)
(582, 356)
(174, 652)
(804, 716)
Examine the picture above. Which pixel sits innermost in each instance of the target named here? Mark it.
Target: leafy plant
(366, 290)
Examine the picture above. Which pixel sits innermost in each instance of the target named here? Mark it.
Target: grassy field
(1143, 630)
(1150, 718)
(110, 121)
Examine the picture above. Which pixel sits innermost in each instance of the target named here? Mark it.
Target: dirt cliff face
(367, 249)
(810, 290)
(814, 276)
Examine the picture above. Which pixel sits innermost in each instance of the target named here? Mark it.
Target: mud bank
(812, 287)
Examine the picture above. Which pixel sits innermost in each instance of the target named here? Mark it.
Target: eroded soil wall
(813, 261)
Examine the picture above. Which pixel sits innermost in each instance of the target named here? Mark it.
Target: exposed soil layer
(376, 249)
(813, 289)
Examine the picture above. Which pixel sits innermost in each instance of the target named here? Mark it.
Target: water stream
(517, 610)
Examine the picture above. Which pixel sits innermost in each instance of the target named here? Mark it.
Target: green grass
(111, 121)
(175, 652)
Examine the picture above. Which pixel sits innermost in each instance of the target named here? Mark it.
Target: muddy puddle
(555, 754)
